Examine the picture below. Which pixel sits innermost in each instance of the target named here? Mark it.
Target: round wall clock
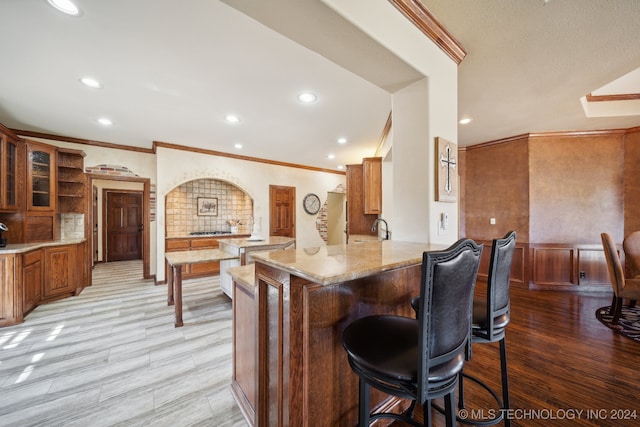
(311, 203)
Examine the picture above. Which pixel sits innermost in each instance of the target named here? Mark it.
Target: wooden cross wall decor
(446, 171)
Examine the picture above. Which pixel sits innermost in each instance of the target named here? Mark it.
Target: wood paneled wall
(632, 181)
(558, 191)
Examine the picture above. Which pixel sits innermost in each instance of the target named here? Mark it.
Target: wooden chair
(419, 359)
(622, 287)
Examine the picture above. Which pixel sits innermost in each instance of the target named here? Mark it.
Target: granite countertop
(207, 236)
(327, 265)
(18, 248)
(244, 275)
(197, 256)
(276, 241)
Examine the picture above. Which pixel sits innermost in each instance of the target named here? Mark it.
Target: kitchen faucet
(386, 226)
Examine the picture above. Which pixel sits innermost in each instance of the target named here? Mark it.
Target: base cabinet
(32, 279)
(38, 276)
(60, 264)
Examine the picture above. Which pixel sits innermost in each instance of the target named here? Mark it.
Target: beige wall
(176, 167)
(421, 112)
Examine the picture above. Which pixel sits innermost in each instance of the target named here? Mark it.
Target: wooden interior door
(123, 225)
(282, 211)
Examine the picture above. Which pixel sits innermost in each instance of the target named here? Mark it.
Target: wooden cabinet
(568, 266)
(186, 244)
(9, 171)
(32, 276)
(372, 183)
(42, 274)
(60, 264)
(41, 189)
(358, 223)
(10, 303)
(39, 227)
(71, 181)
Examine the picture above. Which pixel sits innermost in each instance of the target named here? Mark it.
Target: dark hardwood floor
(565, 367)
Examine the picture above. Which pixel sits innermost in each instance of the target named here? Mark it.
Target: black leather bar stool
(419, 359)
(491, 316)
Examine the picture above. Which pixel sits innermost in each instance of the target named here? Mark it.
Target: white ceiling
(172, 71)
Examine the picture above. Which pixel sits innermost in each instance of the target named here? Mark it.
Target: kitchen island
(295, 310)
(231, 252)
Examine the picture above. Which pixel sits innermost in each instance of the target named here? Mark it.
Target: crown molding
(171, 146)
(619, 97)
(52, 137)
(421, 17)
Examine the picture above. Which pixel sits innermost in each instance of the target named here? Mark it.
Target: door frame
(146, 215)
(105, 210)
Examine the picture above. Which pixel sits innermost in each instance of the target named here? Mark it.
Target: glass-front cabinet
(8, 173)
(40, 178)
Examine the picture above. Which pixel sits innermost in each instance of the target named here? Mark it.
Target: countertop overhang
(328, 265)
(18, 248)
(266, 243)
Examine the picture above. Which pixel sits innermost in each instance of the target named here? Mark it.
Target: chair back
(447, 283)
(631, 247)
(498, 281)
(616, 272)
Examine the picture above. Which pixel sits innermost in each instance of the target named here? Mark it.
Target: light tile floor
(112, 357)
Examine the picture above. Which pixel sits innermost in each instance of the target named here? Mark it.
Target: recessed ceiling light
(105, 121)
(238, 146)
(91, 82)
(232, 118)
(465, 121)
(307, 97)
(340, 167)
(65, 6)
(331, 156)
(342, 140)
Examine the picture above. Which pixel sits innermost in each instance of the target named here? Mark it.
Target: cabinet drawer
(32, 257)
(205, 268)
(173, 245)
(204, 243)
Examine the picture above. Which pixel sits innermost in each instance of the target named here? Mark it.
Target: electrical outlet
(492, 221)
(583, 275)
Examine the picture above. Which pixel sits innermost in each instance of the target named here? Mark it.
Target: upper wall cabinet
(41, 163)
(9, 172)
(372, 182)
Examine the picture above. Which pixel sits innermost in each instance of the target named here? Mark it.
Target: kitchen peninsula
(294, 313)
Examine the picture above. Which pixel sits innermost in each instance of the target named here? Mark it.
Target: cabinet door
(8, 174)
(40, 178)
(59, 263)
(32, 280)
(358, 223)
(372, 180)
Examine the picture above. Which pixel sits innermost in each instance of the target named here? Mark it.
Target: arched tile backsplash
(181, 209)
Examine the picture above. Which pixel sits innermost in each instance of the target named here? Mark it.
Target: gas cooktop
(207, 233)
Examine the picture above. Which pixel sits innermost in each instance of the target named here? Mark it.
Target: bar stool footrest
(475, 422)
